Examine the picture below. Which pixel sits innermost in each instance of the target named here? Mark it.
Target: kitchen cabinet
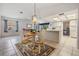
(73, 28)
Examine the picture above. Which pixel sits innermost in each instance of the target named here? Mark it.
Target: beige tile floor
(67, 47)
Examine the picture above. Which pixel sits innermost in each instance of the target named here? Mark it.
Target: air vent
(61, 14)
(21, 12)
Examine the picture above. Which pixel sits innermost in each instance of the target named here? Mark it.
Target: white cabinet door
(73, 28)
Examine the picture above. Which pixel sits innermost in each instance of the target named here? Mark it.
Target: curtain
(16, 26)
(5, 26)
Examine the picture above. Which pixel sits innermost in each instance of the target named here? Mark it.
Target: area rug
(44, 52)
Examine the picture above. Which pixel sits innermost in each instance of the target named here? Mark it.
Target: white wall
(78, 31)
(0, 26)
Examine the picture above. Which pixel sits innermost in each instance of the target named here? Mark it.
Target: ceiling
(42, 9)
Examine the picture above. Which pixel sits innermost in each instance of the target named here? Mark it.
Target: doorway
(66, 28)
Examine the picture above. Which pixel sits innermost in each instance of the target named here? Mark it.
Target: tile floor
(7, 46)
(67, 47)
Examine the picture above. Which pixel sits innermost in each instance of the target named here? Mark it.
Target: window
(43, 26)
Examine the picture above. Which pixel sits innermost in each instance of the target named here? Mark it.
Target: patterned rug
(27, 52)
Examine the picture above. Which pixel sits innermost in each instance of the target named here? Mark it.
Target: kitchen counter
(50, 35)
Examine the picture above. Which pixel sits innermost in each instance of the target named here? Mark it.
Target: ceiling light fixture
(34, 17)
(63, 16)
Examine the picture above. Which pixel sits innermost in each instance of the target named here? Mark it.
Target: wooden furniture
(32, 45)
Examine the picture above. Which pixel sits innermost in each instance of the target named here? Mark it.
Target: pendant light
(34, 17)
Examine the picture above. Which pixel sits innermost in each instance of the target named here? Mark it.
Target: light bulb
(34, 19)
